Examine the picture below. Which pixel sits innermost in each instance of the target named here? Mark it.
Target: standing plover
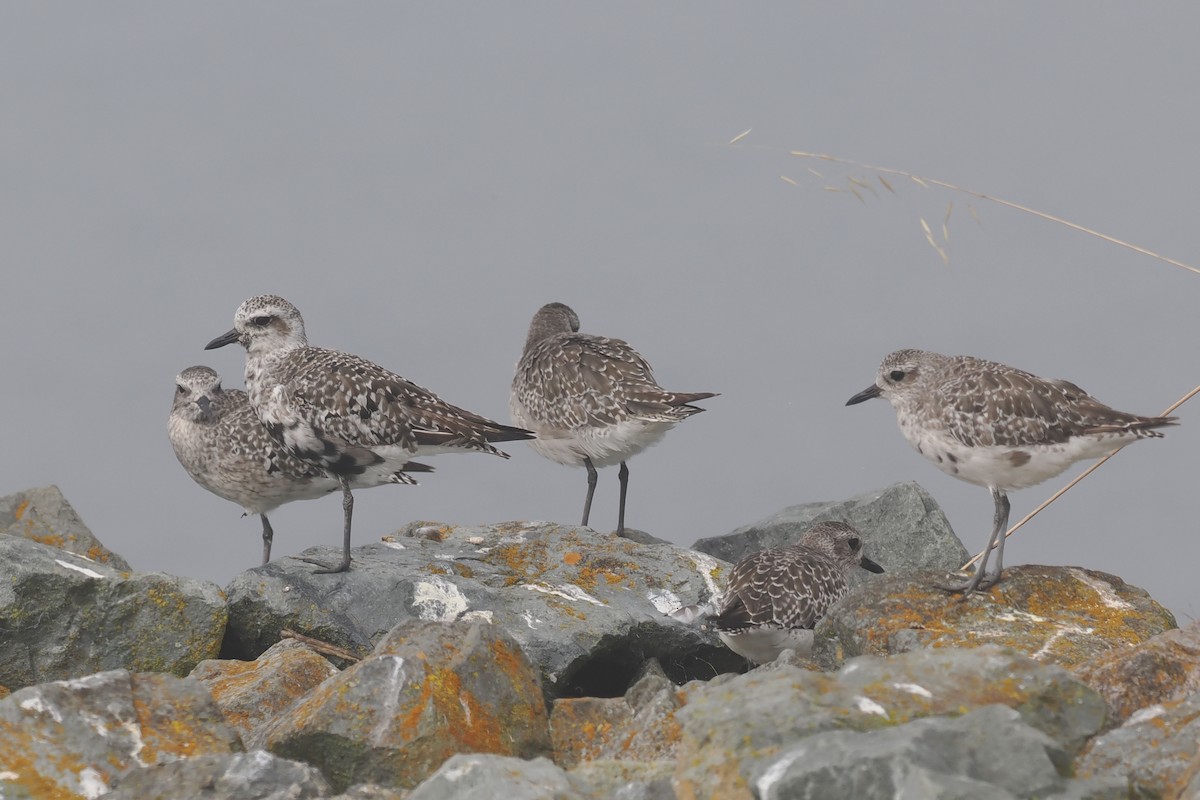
(999, 427)
(592, 401)
(224, 447)
(343, 414)
(775, 597)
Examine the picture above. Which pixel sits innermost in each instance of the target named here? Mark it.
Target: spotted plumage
(224, 447)
(775, 597)
(999, 427)
(592, 400)
(343, 414)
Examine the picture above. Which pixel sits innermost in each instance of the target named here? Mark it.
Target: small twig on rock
(324, 648)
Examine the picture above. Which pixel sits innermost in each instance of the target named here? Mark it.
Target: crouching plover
(776, 597)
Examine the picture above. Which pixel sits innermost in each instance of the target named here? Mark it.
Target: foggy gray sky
(419, 179)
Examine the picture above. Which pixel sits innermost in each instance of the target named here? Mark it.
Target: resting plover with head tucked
(776, 597)
(592, 401)
(345, 415)
(224, 447)
(999, 427)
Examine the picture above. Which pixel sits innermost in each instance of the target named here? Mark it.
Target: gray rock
(45, 516)
(987, 754)
(1163, 668)
(639, 727)
(1155, 749)
(430, 690)
(487, 777)
(732, 731)
(251, 693)
(1059, 615)
(587, 608)
(902, 526)
(73, 738)
(371, 791)
(256, 775)
(62, 616)
(625, 780)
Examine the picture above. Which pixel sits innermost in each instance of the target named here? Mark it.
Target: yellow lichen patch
(99, 553)
(611, 570)
(409, 725)
(462, 569)
(509, 660)
(566, 608)
(582, 729)
(436, 568)
(49, 539)
(467, 720)
(911, 609)
(572, 558)
(167, 729)
(22, 507)
(167, 599)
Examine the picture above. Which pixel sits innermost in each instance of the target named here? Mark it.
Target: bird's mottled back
(791, 586)
(985, 403)
(568, 380)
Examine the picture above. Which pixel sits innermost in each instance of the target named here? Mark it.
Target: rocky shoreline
(535, 660)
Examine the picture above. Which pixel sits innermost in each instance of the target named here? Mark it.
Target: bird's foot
(977, 582)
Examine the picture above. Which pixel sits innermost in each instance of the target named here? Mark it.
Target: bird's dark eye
(180, 390)
(854, 542)
(260, 322)
(897, 375)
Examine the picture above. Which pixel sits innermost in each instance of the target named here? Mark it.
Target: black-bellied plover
(222, 444)
(343, 414)
(776, 597)
(999, 427)
(592, 401)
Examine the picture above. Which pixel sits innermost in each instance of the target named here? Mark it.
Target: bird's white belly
(605, 446)
(763, 645)
(1006, 467)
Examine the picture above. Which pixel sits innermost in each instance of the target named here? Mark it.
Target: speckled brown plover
(345, 415)
(592, 401)
(999, 427)
(776, 597)
(224, 447)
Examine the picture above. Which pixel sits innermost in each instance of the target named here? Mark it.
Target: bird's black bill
(866, 394)
(869, 565)
(222, 340)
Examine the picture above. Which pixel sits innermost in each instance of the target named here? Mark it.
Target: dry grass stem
(929, 182)
(741, 136)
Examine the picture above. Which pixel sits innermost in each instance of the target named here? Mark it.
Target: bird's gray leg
(591, 478)
(623, 475)
(1002, 528)
(348, 508)
(268, 537)
(996, 540)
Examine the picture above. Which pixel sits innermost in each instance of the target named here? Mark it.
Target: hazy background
(419, 178)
